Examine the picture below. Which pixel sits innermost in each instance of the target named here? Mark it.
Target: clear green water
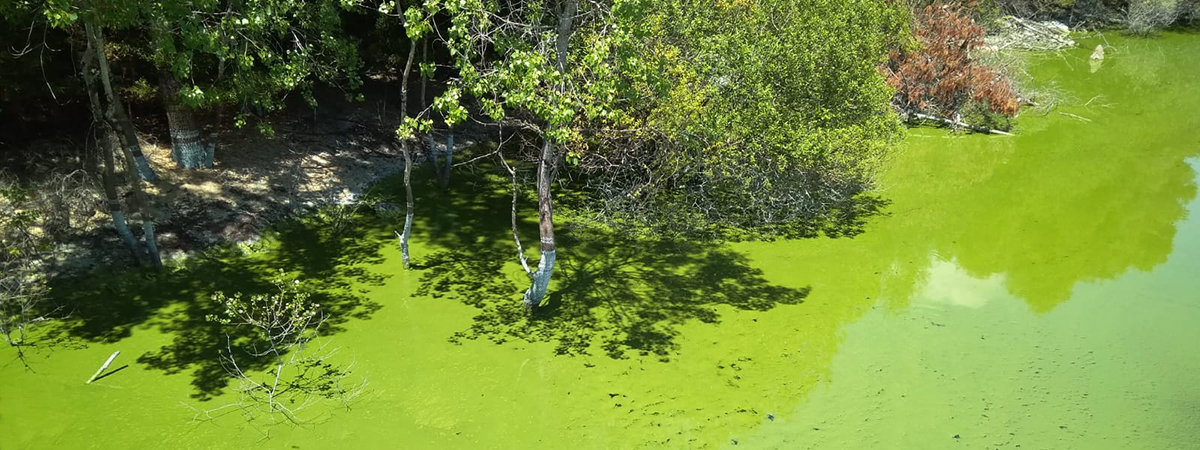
(1036, 292)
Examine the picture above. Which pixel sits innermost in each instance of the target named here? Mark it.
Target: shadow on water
(110, 373)
(617, 292)
(175, 301)
(621, 293)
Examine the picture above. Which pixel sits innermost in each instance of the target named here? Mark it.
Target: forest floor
(313, 160)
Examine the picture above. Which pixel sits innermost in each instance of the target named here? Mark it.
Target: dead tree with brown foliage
(941, 77)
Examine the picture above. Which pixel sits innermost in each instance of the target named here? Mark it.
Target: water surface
(1035, 292)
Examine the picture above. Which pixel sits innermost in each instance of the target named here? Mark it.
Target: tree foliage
(507, 60)
(691, 116)
(767, 114)
(250, 54)
(253, 53)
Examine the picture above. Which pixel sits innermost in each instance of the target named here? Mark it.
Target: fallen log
(958, 123)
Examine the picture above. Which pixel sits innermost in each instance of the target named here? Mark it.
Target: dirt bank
(312, 160)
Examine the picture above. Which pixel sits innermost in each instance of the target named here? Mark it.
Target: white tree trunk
(140, 163)
(122, 227)
(122, 126)
(151, 243)
(540, 280)
(408, 211)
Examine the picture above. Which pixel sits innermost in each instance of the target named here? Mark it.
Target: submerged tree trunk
(540, 278)
(449, 158)
(408, 211)
(130, 147)
(187, 147)
(104, 140)
(433, 157)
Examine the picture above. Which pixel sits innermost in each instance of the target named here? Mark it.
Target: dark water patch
(615, 291)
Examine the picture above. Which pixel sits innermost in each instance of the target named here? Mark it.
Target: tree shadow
(845, 219)
(107, 306)
(617, 292)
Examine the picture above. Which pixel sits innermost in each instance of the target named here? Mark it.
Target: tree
(942, 76)
(543, 68)
(249, 55)
(114, 118)
(760, 119)
(97, 78)
(687, 116)
(109, 119)
(280, 327)
(417, 23)
(66, 16)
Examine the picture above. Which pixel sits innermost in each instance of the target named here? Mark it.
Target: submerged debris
(1097, 59)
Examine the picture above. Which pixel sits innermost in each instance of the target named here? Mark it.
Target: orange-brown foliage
(942, 75)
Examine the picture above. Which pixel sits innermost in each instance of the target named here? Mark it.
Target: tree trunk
(408, 211)
(449, 158)
(433, 157)
(540, 279)
(151, 242)
(141, 206)
(424, 81)
(114, 202)
(513, 211)
(187, 148)
(133, 147)
(130, 146)
(115, 112)
(104, 140)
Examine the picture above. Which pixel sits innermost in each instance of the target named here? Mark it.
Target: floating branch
(103, 367)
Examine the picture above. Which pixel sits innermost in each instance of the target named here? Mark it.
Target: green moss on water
(1036, 291)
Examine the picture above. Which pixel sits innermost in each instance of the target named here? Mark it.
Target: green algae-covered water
(1035, 292)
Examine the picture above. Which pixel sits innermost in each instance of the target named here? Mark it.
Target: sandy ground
(257, 180)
